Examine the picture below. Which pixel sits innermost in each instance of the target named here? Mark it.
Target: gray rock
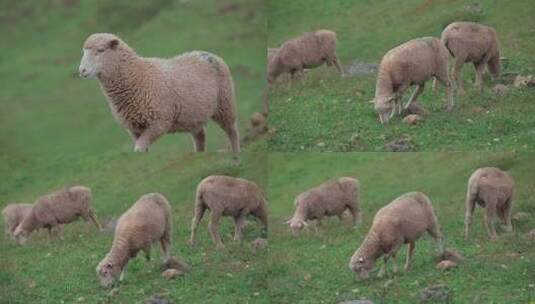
(438, 293)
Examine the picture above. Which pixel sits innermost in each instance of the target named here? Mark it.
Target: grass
(314, 263)
(323, 112)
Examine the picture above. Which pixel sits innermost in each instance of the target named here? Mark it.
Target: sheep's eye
(100, 50)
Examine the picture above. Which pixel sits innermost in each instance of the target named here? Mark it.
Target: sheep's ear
(113, 44)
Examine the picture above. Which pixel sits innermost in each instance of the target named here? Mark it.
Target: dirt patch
(360, 68)
(439, 293)
(399, 145)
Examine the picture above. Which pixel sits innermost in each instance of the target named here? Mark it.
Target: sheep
(271, 52)
(307, 51)
(13, 215)
(494, 190)
(472, 42)
(147, 221)
(328, 199)
(60, 207)
(228, 196)
(404, 220)
(411, 63)
(152, 96)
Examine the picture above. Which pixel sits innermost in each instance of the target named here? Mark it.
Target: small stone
(320, 144)
(500, 89)
(531, 235)
(175, 263)
(415, 108)
(446, 264)
(524, 81)
(478, 109)
(307, 277)
(257, 119)
(170, 274)
(259, 244)
(450, 255)
(412, 119)
(80, 299)
(521, 216)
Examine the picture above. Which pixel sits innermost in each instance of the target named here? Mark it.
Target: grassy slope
(57, 129)
(315, 263)
(326, 113)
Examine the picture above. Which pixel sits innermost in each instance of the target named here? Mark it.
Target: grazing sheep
(328, 199)
(151, 96)
(146, 222)
(404, 220)
(412, 63)
(228, 196)
(13, 215)
(60, 207)
(494, 190)
(307, 51)
(472, 42)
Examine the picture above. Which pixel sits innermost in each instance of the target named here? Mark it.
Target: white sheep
(60, 207)
(307, 51)
(13, 215)
(328, 199)
(412, 63)
(472, 42)
(402, 221)
(228, 196)
(148, 221)
(152, 96)
(494, 190)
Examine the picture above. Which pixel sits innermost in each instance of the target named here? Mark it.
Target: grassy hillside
(314, 267)
(324, 112)
(57, 130)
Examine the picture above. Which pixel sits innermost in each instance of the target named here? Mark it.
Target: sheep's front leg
(458, 65)
(415, 94)
(121, 277)
(239, 223)
(490, 213)
(199, 139)
(479, 75)
(213, 227)
(382, 271)
(410, 251)
(147, 137)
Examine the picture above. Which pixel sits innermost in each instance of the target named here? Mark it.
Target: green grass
(312, 266)
(323, 112)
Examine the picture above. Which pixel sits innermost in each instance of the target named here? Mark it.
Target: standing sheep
(60, 207)
(402, 221)
(13, 216)
(151, 96)
(146, 222)
(307, 51)
(412, 63)
(328, 199)
(494, 190)
(472, 42)
(228, 196)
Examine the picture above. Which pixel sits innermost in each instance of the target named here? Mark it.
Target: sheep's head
(99, 51)
(21, 235)
(105, 273)
(361, 265)
(296, 225)
(384, 106)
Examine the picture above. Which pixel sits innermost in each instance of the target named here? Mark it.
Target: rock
(450, 255)
(177, 264)
(360, 68)
(521, 216)
(524, 81)
(399, 145)
(415, 108)
(435, 293)
(157, 300)
(170, 274)
(412, 119)
(500, 89)
(531, 235)
(478, 109)
(446, 264)
(356, 302)
(257, 128)
(257, 119)
(259, 244)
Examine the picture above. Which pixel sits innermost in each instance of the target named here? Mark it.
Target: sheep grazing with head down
(412, 63)
(404, 220)
(60, 207)
(152, 96)
(146, 222)
(328, 199)
(494, 190)
(228, 196)
(307, 51)
(472, 42)
(13, 215)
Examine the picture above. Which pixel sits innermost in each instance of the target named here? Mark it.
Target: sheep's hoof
(140, 149)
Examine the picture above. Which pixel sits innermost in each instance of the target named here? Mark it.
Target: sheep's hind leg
(507, 216)
(213, 227)
(480, 67)
(490, 213)
(199, 212)
(456, 72)
(199, 140)
(410, 251)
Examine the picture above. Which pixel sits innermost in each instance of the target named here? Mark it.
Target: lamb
(60, 207)
(404, 220)
(228, 196)
(472, 42)
(13, 215)
(152, 96)
(494, 190)
(147, 221)
(328, 199)
(412, 63)
(307, 51)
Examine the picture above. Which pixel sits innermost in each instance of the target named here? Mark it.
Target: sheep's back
(231, 193)
(471, 39)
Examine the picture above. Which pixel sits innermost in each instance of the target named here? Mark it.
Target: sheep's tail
(445, 42)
